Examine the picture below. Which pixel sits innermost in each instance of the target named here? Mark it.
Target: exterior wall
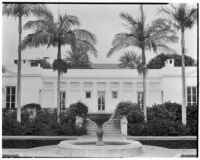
(172, 89)
(30, 88)
(43, 89)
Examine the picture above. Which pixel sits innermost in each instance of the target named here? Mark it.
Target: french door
(101, 101)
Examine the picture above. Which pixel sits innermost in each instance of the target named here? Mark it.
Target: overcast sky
(102, 20)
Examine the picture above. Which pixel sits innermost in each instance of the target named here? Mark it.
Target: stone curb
(162, 137)
(76, 137)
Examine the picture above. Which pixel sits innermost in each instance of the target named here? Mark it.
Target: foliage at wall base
(45, 123)
(162, 119)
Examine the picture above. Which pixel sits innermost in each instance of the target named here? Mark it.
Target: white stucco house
(100, 89)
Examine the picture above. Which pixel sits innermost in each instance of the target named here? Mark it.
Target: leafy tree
(58, 33)
(78, 60)
(159, 61)
(181, 17)
(153, 36)
(20, 10)
(129, 60)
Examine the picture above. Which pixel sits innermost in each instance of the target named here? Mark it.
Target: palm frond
(11, 10)
(129, 59)
(180, 17)
(37, 24)
(39, 38)
(123, 40)
(67, 21)
(128, 18)
(86, 46)
(43, 12)
(85, 35)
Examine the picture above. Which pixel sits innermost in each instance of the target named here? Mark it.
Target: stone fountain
(99, 119)
(88, 147)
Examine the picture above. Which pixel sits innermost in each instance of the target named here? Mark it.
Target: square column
(67, 101)
(81, 92)
(120, 91)
(107, 97)
(55, 93)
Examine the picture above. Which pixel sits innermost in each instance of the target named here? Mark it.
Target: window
(87, 94)
(191, 96)
(114, 94)
(62, 100)
(140, 99)
(10, 97)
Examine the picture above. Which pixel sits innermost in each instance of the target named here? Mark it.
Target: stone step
(117, 127)
(105, 134)
(111, 128)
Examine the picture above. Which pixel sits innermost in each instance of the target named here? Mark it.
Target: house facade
(100, 89)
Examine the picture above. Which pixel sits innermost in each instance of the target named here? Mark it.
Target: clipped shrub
(160, 112)
(125, 108)
(163, 120)
(135, 115)
(139, 129)
(78, 109)
(192, 119)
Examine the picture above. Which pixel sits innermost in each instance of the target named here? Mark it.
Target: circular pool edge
(71, 149)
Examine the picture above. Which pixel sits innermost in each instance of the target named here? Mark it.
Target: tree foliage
(78, 60)
(159, 61)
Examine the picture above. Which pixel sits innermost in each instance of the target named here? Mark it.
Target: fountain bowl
(99, 118)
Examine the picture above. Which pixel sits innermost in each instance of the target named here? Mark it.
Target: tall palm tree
(78, 60)
(145, 37)
(58, 33)
(19, 10)
(181, 17)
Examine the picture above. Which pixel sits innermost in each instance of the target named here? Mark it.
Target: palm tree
(181, 17)
(58, 33)
(130, 60)
(19, 10)
(78, 60)
(145, 37)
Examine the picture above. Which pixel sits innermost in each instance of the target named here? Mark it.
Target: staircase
(111, 128)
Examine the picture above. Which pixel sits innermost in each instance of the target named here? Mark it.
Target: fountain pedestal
(99, 133)
(99, 119)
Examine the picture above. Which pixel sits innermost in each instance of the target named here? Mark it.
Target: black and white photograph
(99, 79)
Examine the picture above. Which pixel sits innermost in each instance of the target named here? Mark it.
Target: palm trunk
(184, 121)
(144, 84)
(19, 72)
(58, 84)
(144, 66)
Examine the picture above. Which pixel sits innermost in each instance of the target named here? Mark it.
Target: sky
(102, 20)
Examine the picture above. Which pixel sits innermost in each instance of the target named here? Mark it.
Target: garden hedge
(45, 122)
(162, 119)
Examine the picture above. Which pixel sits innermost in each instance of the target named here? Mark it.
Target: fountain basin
(99, 118)
(88, 148)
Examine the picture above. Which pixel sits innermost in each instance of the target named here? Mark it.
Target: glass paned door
(101, 101)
